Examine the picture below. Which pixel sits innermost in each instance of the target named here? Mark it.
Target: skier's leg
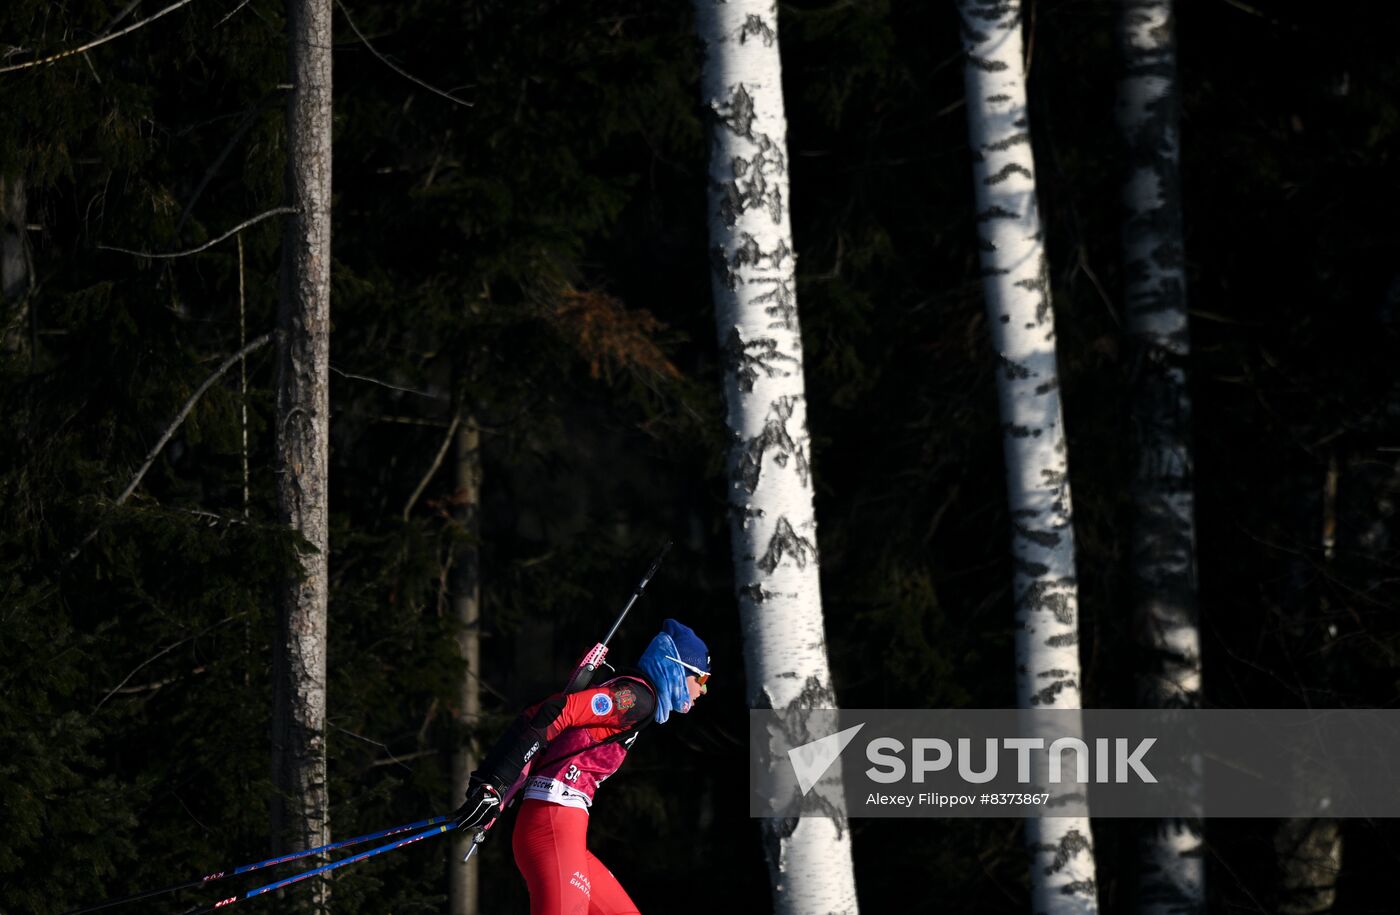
(609, 898)
(550, 851)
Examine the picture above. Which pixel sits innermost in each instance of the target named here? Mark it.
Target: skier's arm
(530, 733)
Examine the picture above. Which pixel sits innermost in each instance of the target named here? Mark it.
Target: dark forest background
(539, 260)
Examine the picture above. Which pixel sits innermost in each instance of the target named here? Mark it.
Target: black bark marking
(786, 541)
(1047, 539)
(774, 436)
(996, 212)
(991, 11)
(756, 593)
(746, 360)
(1041, 596)
(748, 253)
(1063, 640)
(1042, 308)
(751, 188)
(1014, 370)
(738, 113)
(754, 25)
(1031, 569)
(985, 65)
(1007, 170)
(815, 694)
(1079, 888)
(1070, 846)
(1048, 695)
(780, 303)
(1014, 140)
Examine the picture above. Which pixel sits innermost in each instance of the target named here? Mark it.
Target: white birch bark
(1017, 291)
(302, 428)
(773, 523)
(1163, 540)
(16, 268)
(463, 882)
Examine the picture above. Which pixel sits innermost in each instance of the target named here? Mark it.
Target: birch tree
(302, 427)
(1017, 292)
(16, 270)
(773, 522)
(1163, 544)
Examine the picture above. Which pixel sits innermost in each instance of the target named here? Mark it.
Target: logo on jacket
(626, 698)
(602, 704)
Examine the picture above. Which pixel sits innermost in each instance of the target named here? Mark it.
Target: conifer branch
(279, 211)
(395, 67)
(94, 43)
(170, 431)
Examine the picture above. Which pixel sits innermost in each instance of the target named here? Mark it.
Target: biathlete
(559, 751)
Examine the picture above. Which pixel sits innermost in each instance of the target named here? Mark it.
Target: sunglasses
(701, 676)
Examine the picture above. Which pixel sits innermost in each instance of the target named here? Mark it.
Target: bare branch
(243, 372)
(437, 462)
(385, 384)
(392, 760)
(399, 760)
(279, 211)
(164, 651)
(170, 431)
(230, 14)
(92, 44)
(395, 67)
(153, 686)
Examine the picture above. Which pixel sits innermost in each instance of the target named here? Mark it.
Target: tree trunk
(16, 267)
(463, 886)
(773, 522)
(302, 424)
(1017, 291)
(1163, 544)
(1309, 850)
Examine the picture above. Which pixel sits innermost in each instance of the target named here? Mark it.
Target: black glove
(481, 807)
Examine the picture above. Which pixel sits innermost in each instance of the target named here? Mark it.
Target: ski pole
(583, 674)
(326, 868)
(259, 865)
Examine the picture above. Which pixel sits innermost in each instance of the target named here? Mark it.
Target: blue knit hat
(691, 649)
(675, 640)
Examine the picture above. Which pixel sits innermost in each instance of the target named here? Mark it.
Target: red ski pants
(563, 876)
